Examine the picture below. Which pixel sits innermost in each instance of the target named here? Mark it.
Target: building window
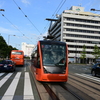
(82, 20)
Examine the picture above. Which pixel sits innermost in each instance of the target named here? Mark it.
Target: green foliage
(96, 52)
(83, 53)
(4, 48)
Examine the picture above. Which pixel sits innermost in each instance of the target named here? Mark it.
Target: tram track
(94, 86)
(86, 79)
(55, 94)
(51, 93)
(65, 90)
(86, 84)
(76, 88)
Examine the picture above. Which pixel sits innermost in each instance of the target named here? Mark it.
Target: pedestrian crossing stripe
(27, 88)
(11, 89)
(5, 79)
(1, 74)
(10, 92)
(89, 77)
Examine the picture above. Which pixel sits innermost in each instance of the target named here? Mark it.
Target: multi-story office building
(27, 48)
(77, 28)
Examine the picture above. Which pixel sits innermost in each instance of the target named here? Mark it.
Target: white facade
(77, 28)
(27, 48)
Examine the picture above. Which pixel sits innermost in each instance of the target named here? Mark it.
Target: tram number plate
(61, 75)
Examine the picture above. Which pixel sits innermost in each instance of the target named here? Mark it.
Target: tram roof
(50, 41)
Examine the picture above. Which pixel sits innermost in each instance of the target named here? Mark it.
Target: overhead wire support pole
(50, 36)
(94, 9)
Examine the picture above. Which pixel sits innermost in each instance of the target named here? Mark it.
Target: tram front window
(53, 55)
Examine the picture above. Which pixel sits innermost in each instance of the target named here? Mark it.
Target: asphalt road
(20, 84)
(80, 68)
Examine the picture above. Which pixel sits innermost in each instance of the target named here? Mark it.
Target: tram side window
(38, 58)
(34, 57)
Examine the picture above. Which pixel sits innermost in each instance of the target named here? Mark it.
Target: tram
(50, 61)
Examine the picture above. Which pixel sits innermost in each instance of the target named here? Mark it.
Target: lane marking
(25, 69)
(1, 74)
(5, 79)
(87, 76)
(28, 94)
(91, 76)
(11, 90)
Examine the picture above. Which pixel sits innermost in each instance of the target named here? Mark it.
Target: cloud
(6, 31)
(26, 2)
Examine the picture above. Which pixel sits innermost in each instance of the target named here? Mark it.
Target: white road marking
(11, 90)
(25, 69)
(1, 74)
(88, 76)
(5, 79)
(28, 94)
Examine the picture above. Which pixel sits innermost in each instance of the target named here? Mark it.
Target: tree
(10, 48)
(83, 53)
(96, 52)
(4, 48)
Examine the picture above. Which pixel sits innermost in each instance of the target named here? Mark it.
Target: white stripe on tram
(5, 79)
(28, 94)
(11, 90)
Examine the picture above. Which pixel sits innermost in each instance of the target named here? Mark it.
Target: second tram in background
(50, 61)
(17, 56)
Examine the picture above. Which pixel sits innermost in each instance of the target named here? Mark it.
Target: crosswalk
(12, 87)
(97, 79)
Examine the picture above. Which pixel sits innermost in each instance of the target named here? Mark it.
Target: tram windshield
(54, 54)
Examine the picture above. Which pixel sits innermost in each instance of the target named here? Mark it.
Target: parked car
(95, 70)
(7, 65)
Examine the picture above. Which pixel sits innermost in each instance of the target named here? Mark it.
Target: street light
(9, 38)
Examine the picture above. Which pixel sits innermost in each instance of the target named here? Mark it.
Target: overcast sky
(24, 20)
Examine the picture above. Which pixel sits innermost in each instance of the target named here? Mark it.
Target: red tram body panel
(50, 61)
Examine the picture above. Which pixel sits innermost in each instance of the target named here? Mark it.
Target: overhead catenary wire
(15, 26)
(58, 8)
(11, 23)
(26, 17)
(55, 12)
(47, 25)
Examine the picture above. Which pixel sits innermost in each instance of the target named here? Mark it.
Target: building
(77, 28)
(27, 48)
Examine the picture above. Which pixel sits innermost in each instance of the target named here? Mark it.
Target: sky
(24, 20)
